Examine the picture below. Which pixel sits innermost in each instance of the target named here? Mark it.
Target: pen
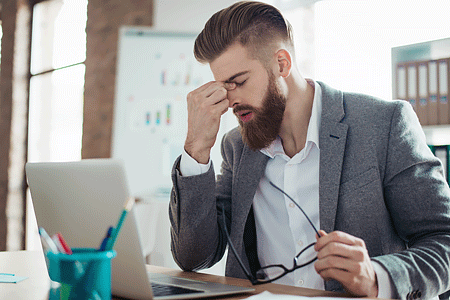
(61, 243)
(115, 232)
(47, 241)
(106, 239)
(50, 245)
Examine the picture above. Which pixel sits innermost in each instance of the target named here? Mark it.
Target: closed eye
(240, 83)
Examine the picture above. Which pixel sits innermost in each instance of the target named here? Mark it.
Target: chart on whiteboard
(155, 72)
(176, 74)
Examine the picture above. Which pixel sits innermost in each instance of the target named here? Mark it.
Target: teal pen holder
(85, 274)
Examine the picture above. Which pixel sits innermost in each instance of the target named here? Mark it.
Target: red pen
(61, 243)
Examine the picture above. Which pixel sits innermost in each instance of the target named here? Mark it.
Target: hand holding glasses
(271, 273)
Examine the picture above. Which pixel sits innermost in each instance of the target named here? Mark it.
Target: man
(358, 166)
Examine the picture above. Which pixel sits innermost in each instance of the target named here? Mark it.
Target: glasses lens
(270, 273)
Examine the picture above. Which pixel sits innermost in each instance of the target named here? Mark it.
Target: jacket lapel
(245, 183)
(332, 140)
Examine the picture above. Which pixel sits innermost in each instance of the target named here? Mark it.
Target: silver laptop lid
(81, 200)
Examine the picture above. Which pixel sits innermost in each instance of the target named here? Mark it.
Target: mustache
(243, 107)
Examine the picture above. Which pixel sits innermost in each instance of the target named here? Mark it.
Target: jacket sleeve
(418, 199)
(195, 212)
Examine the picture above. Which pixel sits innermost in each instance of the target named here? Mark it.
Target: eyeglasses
(271, 273)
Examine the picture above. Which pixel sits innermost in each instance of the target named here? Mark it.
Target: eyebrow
(229, 80)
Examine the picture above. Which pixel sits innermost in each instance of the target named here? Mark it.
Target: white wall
(353, 39)
(185, 15)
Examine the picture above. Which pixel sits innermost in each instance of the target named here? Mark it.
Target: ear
(284, 61)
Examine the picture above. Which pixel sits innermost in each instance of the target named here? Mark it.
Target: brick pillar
(104, 19)
(15, 66)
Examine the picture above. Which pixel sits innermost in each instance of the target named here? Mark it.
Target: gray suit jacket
(378, 181)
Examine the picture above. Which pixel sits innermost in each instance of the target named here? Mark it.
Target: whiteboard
(155, 72)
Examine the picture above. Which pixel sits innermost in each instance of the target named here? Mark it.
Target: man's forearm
(193, 216)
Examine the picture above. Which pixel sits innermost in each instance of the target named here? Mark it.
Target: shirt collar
(312, 135)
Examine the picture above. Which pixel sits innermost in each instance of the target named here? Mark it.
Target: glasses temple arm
(230, 244)
(309, 220)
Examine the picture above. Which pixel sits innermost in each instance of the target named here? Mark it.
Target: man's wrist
(200, 155)
(190, 167)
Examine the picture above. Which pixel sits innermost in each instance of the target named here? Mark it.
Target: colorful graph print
(157, 116)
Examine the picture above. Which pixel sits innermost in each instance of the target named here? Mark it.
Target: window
(58, 52)
(57, 80)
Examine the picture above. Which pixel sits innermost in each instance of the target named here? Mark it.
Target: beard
(264, 127)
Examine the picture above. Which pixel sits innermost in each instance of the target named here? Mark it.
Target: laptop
(81, 200)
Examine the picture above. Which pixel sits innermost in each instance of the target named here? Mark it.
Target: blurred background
(66, 67)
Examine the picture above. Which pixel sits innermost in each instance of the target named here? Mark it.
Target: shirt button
(291, 205)
(300, 282)
(300, 243)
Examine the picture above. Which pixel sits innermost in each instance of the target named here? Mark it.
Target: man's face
(261, 130)
(256, 100)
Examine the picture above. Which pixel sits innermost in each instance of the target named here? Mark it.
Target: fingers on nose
(229, 86)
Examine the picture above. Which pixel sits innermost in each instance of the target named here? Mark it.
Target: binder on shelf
(401, 84)
(433, 118)
(411, 79)
(443, 84)
(422, 92)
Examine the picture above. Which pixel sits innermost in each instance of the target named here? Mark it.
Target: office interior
(59, 70)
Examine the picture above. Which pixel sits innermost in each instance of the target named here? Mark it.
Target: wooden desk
(32, 265)
(271, 287)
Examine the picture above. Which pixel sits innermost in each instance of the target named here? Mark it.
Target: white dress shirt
(282, 229)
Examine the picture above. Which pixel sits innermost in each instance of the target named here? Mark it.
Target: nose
(231, 94)
(233, 99)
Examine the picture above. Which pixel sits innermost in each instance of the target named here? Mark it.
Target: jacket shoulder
(233, 138)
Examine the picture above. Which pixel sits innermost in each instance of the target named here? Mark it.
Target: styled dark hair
(254, 25)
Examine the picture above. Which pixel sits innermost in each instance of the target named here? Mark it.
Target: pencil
(115, 232)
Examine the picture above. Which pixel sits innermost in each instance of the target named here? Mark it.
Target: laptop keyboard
(166, 290)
